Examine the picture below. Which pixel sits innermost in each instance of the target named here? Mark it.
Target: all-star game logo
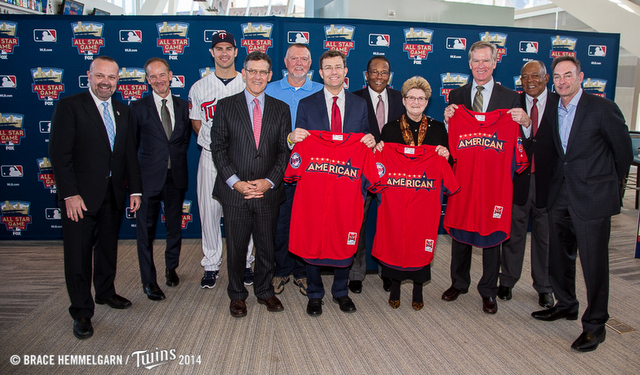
(186, 214)
(131, 84)
(47, 83)
(498, 39)
(411, 181)
(339, 38)
(8, 38)
(256, 37)
(333, 167)
(417, 43)
(450, 81)
(595, 86)
(173, 38)
(11, 130)
(15, 216)
(486, 141)
(45, 174)
(87, 37)
(563, 46)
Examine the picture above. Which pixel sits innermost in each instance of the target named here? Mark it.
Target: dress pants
(513, 249)
(147, 222)
(568, 233)
(94, 236)
(252, 217)
(287, 263)
(461, 268)
(315, 287)
(359, 265)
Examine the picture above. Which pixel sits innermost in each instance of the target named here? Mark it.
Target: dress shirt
(328, 98)
(542, 104)
(486, 93)
(99, 102)
(157, 99)
(385, 100)
(283, 90)
(565, 118)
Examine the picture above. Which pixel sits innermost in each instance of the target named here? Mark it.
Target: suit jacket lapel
(552, 115)
(153, 113)
(322, 107)
(93, 111)
(177, 126)
(578, 119)
(245, 118)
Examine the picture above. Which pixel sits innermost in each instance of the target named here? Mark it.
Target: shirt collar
(99, 101)
(374, 95)
(574, 101)
(487, 86)
(249, 97)
(158, 99)
(329, 95)
(541, 98)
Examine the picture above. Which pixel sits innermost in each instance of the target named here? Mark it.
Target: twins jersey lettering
(486, 149)
(412, 181)
(333, 171)
(203, 98)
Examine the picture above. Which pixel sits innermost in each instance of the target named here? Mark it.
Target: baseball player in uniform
(203, 98)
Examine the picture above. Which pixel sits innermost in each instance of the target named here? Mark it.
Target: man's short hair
(102, 58)
(333, 53)
(156, 59)
(416, 82)
(482, 44)
(560, 59)
(380, 57)
(299, 45)
(257, 56)
(542, 69)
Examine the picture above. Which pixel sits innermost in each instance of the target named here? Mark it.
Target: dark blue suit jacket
(154, 148)
(312, 114)
(396, 108)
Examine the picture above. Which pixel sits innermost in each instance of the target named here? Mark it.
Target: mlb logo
(45, 127)
(457, 43)
(298, 37)
(597, 51)
(12, 171)
(83, 82)
(352, 238)
(52, 214)
(45, 35)
(428, 245)
(527, 46)
(9, 81)
(379, 40)
(177, 82)
(497, 212)
(208, 34)
(130, 36)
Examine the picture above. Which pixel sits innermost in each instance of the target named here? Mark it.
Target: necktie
(257, 121)
(336, 120)
(477, 100)
(108, 124)
(380, 113)
(165, 116)
(534, 124)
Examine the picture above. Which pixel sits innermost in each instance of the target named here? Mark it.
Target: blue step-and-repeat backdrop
(43, 58)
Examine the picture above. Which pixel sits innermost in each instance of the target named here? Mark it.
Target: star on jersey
(333, 167)
(481, 140)
(411, 181)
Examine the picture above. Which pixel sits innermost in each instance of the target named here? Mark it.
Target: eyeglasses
(383, 73)
(253, 72)
(329, 68)
(419, 99)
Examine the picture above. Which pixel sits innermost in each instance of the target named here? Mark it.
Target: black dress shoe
(153, 292)
(172, 277)
(238, 308)
(386, 284)
(82, 328)
(504, 292)
(554, 313)
(355, 286)
(545, 300)
(314, 306)
(452, 293)
(273, 304)
(115, 302)
(588, 341)
(489, 305)
(346, 304)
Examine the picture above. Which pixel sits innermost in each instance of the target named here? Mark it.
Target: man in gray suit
(249, 149)
(594, 154)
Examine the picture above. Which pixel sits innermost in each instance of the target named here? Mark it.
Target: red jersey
(486, 149)
(412, 180)
(332, 171)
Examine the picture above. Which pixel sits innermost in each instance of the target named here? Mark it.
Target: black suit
(84, 164)
(530, 191)
(585, 192)
(160, 183)
(501, 98)
(234, 153)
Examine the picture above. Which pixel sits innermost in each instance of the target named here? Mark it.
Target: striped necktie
(477, 101)
(108, 124)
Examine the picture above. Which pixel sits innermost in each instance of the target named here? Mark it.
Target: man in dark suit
(482, 94)
(348, 114)
(249, 148)
(531, 188)
(594, 154)
(162, 128)
(388, 107)
(93, 155)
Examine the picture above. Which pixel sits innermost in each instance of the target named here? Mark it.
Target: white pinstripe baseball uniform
(203, 98)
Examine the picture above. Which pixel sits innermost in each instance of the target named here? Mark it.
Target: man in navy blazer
(594, 154)
(162, 128)
(93, 155)
(313, 114)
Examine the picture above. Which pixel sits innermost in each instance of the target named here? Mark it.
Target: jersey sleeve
(370, 178)
(195, 101)
(450, 184)
(520, 157)
(295, 168)
(381, 170)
